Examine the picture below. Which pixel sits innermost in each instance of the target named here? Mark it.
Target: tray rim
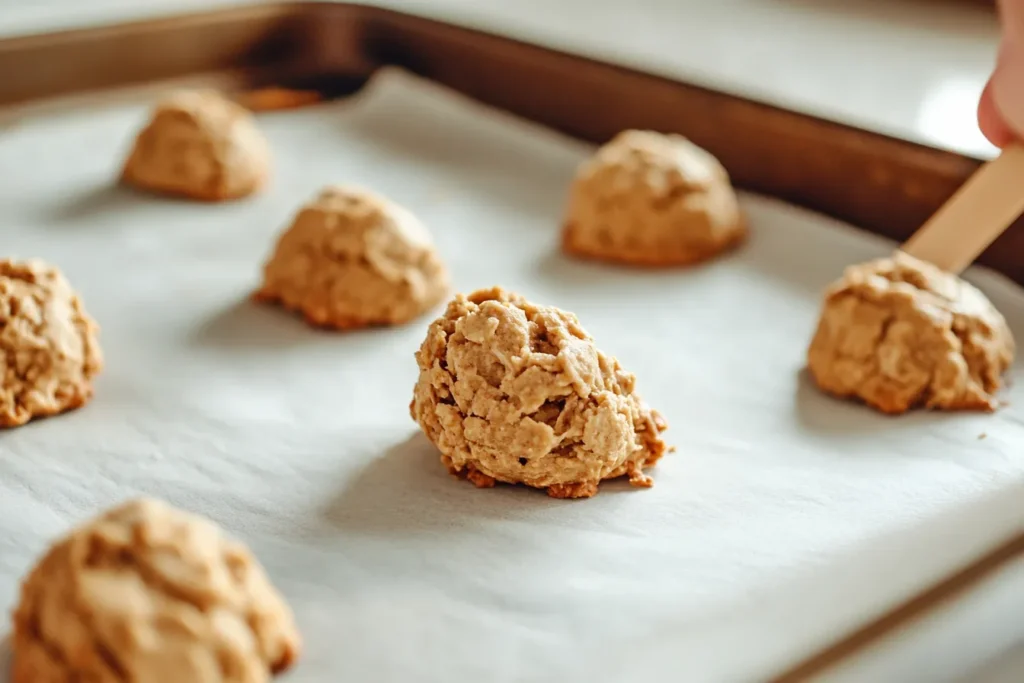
(887, 624)
(285, 9)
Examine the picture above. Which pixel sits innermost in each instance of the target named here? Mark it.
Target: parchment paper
(763, 533)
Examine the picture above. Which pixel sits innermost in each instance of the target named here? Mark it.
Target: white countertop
(913, 68)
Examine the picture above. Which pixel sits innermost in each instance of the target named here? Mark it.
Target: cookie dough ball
(146, 592)
(515, 392)
(351, 259)
(49, 348)
(649, 199)
(898, 333)
(199, 145)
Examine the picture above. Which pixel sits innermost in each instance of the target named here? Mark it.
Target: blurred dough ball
(146, 592)
(200, 145)
(898, 333)
(515, 392)
(351, 259)
(49, 347)
(651, 199)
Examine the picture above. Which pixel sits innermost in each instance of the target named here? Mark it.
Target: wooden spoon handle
(974, 216)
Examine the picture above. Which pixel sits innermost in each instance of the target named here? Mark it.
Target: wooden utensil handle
(974, 216)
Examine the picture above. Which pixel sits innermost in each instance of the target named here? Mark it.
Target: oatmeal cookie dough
(515, 392)
(898, 333)
(146, 592)
(651, 199)
(199, 145)
(352, 259)
(49, 347)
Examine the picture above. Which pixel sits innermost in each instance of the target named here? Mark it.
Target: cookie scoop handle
(974, 216)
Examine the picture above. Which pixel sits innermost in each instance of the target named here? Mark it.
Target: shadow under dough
(246, 323)
(587, 274)
(96, 201)
(559, 268)
(826, 415)
(407, 491)
(6, 655)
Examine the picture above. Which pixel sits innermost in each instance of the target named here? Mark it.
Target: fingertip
(991, 122)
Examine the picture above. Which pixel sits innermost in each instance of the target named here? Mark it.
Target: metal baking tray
(878, 183)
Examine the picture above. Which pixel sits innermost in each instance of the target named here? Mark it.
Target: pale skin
(1001, 109)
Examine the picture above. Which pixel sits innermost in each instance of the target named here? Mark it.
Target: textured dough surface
(351, 259)
(146, 592)
(200, 145)
(49, 346)
(898, 333)
(651, 199)
(515, 392)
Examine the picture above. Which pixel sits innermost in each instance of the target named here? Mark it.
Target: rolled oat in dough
(515, 392)
(200, 145)
(146, 592)
(49, 348)
(650, 199)
(351, 259)
(898, 333)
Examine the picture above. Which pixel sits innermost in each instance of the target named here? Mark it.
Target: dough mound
(515, 392)
(49, 348)
(352, 259)
(199, 145)
(650, 199)
(898, 333)
(149, 593)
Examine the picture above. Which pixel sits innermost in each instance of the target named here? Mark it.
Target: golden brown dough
(651, 199)
(146, 592)
(199, 145)
(898, 333)
(49, 347)
(351, 259)
(515, 392)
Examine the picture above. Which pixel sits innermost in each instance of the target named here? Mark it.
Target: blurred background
(912, 68)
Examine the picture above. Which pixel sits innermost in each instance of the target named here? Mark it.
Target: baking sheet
(300, 442)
